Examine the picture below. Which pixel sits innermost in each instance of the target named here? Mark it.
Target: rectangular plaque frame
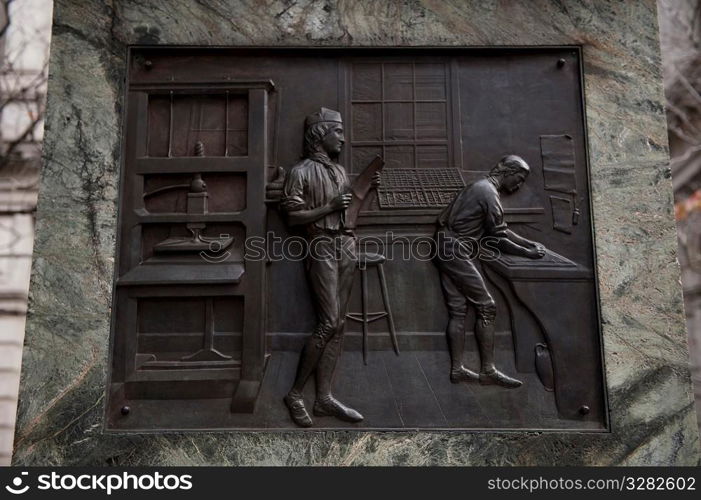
(529, 93)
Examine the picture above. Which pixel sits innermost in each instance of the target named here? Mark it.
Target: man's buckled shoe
(298, 411)
(463, 374)
(331, 407)
(495, 377)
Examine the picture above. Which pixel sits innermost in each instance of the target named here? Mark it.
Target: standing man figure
(475, 214)
(315, 195)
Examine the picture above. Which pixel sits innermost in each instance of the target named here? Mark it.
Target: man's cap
(321, 116)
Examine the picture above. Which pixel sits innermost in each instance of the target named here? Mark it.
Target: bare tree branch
(5, 7)
(22, 88)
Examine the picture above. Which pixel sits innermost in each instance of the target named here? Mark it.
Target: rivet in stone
(560, 63)
(584, 410)
(125, 410)
(148, 64)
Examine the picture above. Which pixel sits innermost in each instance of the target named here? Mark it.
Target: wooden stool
(366, 259)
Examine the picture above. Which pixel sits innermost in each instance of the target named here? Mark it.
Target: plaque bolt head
(125, 410)
(584, 410)
(148, 64)
(560, 63)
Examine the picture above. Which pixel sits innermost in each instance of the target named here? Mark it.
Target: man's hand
(273, 189)
(537, 252)
(376, 180)
(340, 202)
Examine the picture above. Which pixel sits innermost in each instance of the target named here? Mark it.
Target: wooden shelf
(185, 274)
(146, 217)
(193, 164)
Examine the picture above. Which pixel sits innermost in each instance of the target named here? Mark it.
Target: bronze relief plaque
(355, 239)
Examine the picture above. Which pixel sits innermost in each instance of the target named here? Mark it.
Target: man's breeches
(331, 268)
(462, 283)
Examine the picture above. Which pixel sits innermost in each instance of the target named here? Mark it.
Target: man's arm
(506, 245)
(506, 240)
(520, 240)
(304, 217)
(293, 201)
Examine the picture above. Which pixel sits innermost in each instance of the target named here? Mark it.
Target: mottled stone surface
(65, 358)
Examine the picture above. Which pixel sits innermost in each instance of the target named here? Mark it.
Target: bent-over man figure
(476, 213)
(315, 195)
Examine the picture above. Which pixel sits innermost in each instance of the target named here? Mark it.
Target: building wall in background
(680, 41)
(26, 31)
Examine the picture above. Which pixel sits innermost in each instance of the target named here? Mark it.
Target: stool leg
(364, 306)
(388, 309)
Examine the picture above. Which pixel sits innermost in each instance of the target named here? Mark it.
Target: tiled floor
(403, 392)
